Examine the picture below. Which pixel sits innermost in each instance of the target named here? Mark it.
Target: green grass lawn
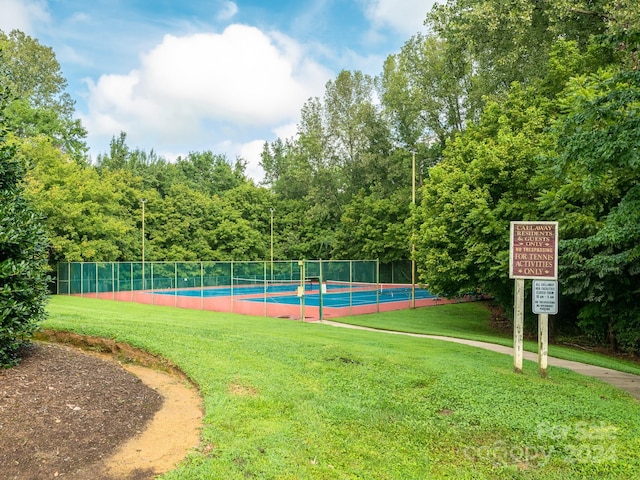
(471, 321)
(291, 400)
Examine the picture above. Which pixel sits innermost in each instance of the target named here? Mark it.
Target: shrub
(23, 259)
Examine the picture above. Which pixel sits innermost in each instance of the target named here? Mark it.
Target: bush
(23, 259)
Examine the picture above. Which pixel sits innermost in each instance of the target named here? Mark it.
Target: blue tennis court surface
(235, 291)
(336, 296)
(346, 299)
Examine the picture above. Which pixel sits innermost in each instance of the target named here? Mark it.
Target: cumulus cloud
(22, 15)
(251, 152)
(404, 16)
(198, 91)
(240, 76)
(286, 131)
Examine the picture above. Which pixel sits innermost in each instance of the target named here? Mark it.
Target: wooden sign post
(533, 254)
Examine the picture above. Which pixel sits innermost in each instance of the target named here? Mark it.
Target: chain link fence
(294, 289)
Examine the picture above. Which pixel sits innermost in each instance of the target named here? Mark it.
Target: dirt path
(174, 429)
(166, 438)
(169, 435)
(625, 381)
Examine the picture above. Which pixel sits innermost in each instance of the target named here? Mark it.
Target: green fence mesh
(100, 277)
(284, 288)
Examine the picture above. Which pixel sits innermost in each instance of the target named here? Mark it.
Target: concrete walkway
(626, 381)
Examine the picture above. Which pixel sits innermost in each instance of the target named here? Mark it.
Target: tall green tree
(596, 196)
(155, 172)
(469, 199)
(374, 228)
(40, 103)
(425, 91)
(180, 226)
(208, 173)
(91, 216)
(510, 41)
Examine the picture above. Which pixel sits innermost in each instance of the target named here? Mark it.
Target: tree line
(527, 116)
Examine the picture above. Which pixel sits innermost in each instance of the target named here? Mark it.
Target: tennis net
(380, 288)
(275, 286)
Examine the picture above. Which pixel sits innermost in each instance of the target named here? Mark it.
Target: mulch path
(63, 412)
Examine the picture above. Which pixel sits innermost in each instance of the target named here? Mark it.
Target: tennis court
(334, 294)
(303, 289)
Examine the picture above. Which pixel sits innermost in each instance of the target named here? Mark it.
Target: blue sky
(219, 75)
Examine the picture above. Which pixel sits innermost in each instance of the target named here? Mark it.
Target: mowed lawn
(292, 400)
(469, 321)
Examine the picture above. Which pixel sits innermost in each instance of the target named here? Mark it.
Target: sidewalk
(625, 381)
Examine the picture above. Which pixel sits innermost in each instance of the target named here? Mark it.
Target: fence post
(377, 286)
(320, 279)
(264, 281)
(351, 287)
(231, 282)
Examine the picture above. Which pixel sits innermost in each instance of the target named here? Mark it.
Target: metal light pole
(413, 244)
(143, 201)
(271, 209)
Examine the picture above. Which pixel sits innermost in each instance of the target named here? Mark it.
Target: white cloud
(251, 153)
(404, 16)
(240, 76)
(287, 131)
(79, 18)
(229, 10)
(68, 54)
(191, 89)
(22, 15)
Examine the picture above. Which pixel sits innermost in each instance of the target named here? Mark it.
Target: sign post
(518, 326)
(544, 299)
(533, 254)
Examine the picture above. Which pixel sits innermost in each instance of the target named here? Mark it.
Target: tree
(40, 105)
(509, 42)
(208, 173)
(425, 91)
(90, 216)
(483, 182)
(180, 226)
(287, 169)
(153, 171)
(374, 228)
(356, 133)
(595, 193)
(347, 109)
(23, 259)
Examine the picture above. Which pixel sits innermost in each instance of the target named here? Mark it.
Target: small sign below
(544, 297)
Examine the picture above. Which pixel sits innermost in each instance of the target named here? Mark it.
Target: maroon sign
(534, 250)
